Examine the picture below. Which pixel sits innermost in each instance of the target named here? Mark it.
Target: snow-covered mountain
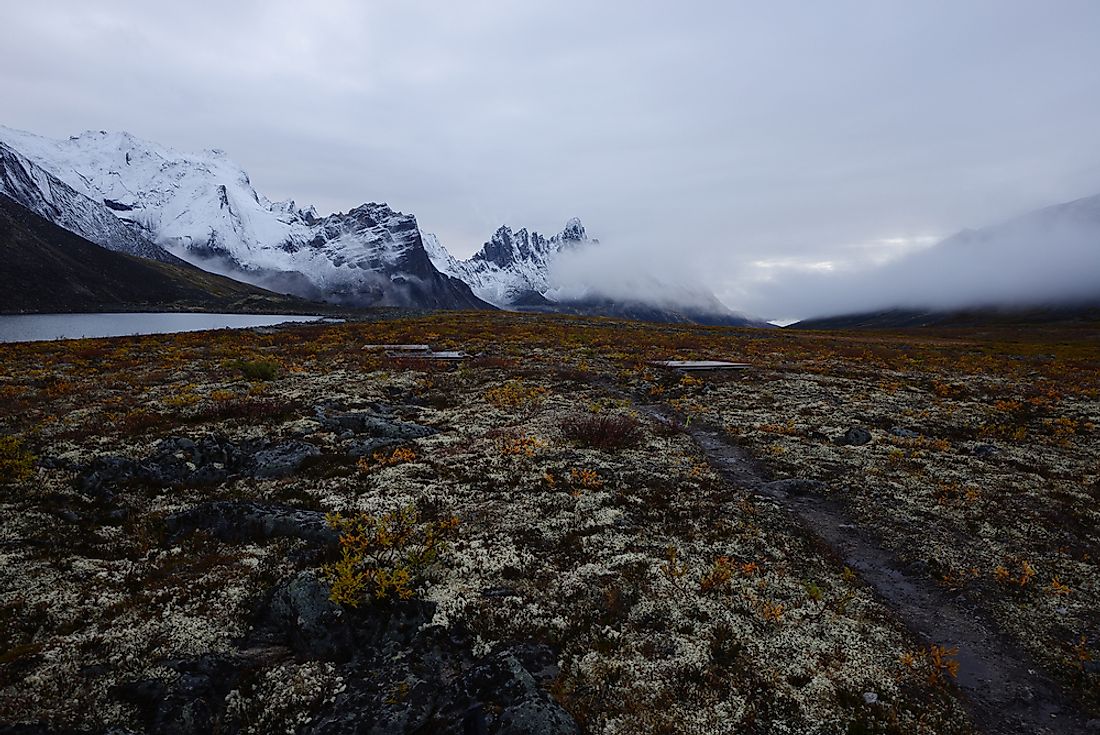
(203, 208)
(513, 268)
(31, 186)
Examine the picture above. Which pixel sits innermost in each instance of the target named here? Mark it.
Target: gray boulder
(282, 459)
(855, 437)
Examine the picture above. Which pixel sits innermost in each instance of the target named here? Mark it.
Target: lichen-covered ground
(673, 601)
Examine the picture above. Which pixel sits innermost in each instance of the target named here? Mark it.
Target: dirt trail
(1005, 690)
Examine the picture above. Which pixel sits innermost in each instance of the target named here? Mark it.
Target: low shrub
(16, 462)
(515, 395)
(936, 663)
(256, 369)
(250, 409)
(384, 557)
(608, 432)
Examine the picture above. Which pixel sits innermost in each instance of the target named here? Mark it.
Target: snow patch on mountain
(33, 187)
(513, 267)
(203, 208)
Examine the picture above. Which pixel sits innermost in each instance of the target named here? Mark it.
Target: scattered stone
(282, 459)
(236, 521)
(700, 365)
(499, 592)
(903, 433)
(365, 422)
(69, 516)
(983, 451)
(870, 697)
(367, 447)
(444, 355)
(525, 708)
(855, 437)
(208, 460)
(302, 617)
(397, 348)
(190, 704)
(386, 646)
(302, 427)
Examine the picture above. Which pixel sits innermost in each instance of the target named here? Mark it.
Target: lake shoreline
(25, 328)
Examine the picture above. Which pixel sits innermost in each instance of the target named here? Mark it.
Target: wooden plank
(398, 348)
(700, 365)
(444, 355)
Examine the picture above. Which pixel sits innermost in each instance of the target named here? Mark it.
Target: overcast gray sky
(735, 139)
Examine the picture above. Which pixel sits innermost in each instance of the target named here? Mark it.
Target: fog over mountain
(738, 149)
(1050, 256)
(613, 270)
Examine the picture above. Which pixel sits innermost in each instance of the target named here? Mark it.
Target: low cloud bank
(612, 271)
(1051, 256)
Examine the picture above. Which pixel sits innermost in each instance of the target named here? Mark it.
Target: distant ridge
(1042, 266)
(909, 318)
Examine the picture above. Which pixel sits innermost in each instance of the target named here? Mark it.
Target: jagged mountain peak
(574, 230)
(513, 267)
(508, 246)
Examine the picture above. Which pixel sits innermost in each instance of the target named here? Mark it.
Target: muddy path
(1004, 690)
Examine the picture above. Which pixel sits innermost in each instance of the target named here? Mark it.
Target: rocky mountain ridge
(202, 208)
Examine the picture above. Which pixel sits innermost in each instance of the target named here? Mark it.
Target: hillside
(49, 269)
(977, 317)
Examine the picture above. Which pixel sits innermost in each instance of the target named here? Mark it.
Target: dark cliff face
(397, 270)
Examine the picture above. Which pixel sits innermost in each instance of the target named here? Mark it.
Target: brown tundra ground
(163, 495)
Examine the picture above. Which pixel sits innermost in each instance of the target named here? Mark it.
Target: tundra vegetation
(526, 496)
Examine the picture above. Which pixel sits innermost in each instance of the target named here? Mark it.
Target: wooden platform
(700, 365)
(430, 355)
(398, 348)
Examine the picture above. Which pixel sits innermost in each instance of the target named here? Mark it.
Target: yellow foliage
(787, 429)
(718, 576)
(1020, 577)
(584, 479)
(185, 397)
(772, 611)
(525, 446)
(935, 662)
(515, 394)
(673, 568)
(384, 556)
(16, 462)
(381, 458)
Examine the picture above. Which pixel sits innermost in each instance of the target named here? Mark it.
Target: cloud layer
(730, 137)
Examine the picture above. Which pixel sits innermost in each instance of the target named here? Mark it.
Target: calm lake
(36, 327)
